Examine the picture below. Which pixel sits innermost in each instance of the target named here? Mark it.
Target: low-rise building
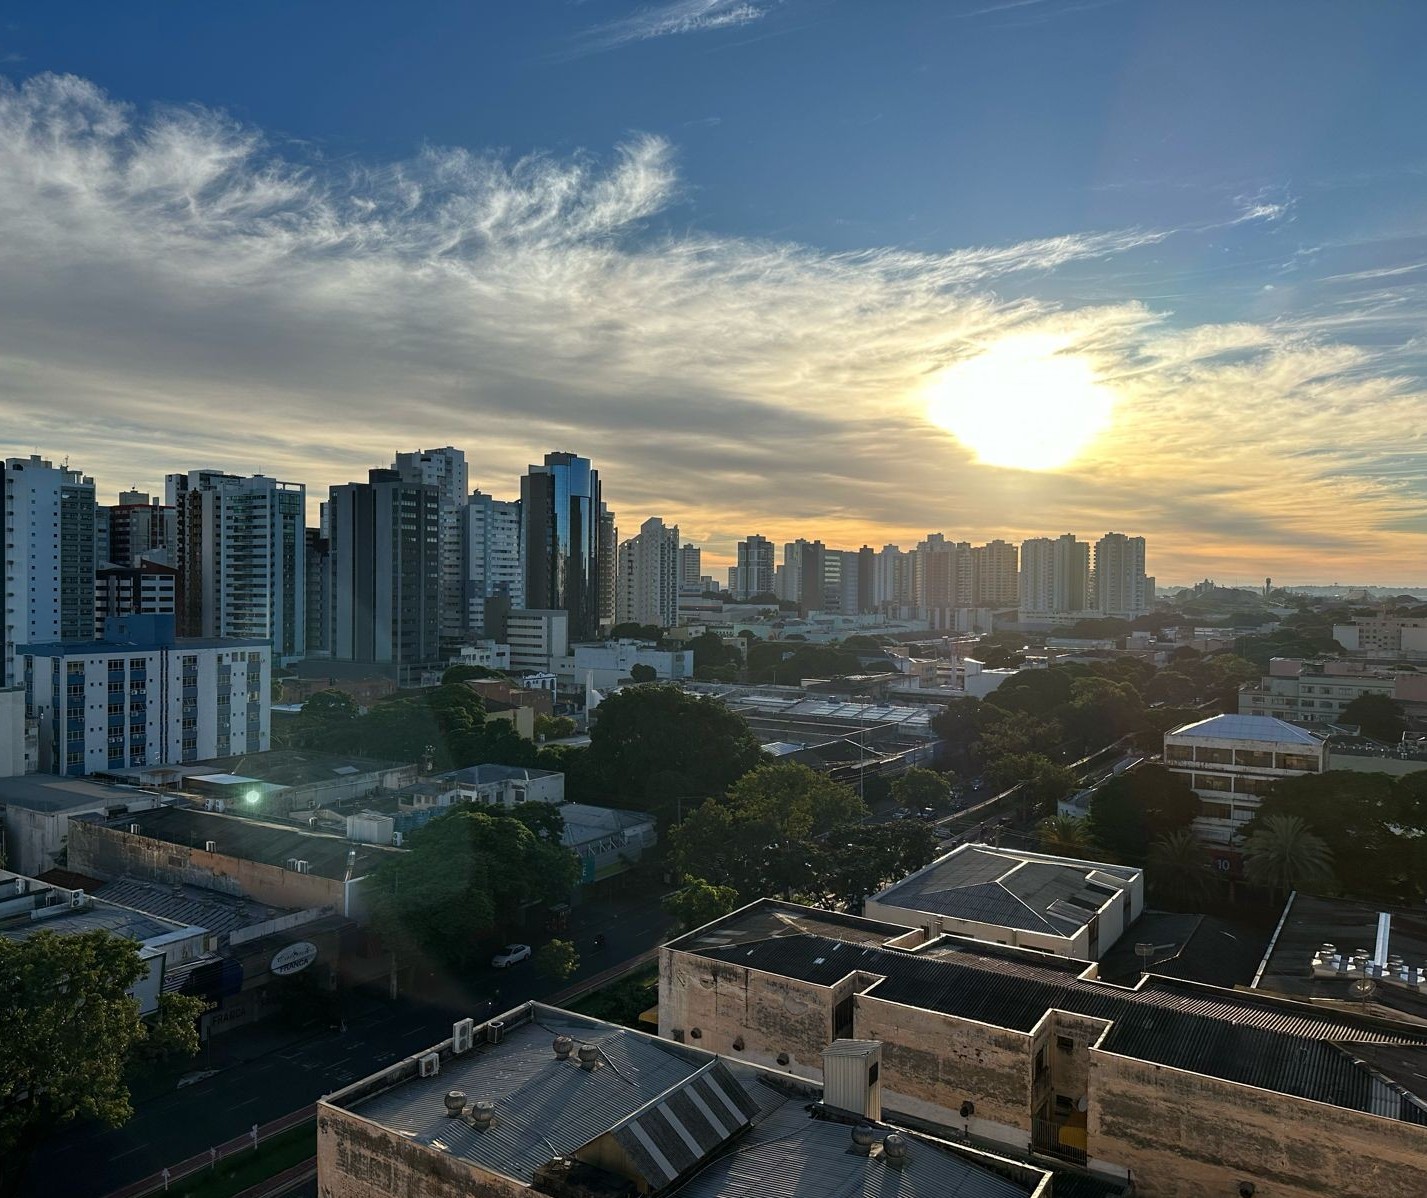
(541, 1101)
(1384, 635)
(38, 808)
(1033, 900)
(1230, 762)
(143, 696)
(1180, 1088)
(1312, 692)
(607, 841)
(605, 664)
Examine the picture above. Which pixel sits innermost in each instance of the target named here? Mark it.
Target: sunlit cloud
(177, 290)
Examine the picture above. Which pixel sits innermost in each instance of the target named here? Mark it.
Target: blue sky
(723, 246)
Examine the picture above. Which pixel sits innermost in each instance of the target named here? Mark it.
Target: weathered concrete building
(1183, 1089)
(541, 1101)
(1032, 900)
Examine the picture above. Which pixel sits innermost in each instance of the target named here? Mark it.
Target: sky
(823, 268)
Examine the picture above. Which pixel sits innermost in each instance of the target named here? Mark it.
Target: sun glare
(1021, 404)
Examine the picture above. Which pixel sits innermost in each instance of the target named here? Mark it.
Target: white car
(511, 954)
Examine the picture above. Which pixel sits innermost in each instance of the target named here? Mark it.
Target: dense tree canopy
(1044, 782)
(1138, 807)
(1282, 855)
(466, 876)
(919, 788)
(70, 1032)
(1379, 717)
(699, 902)
(657, 747)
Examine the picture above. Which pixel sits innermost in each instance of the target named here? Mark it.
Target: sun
(1022, 404)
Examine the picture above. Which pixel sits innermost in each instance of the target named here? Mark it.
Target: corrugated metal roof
(1248, 727)
(1274, 1045)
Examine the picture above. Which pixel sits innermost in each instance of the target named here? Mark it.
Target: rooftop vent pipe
(481, 1114)
(564, 1046)
(589, 1057)
(455, 1102)
(894, 1150)
(863, 1137)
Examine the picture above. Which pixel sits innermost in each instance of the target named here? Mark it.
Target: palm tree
(1284, 855)
(1065, 836)
(1178, 868)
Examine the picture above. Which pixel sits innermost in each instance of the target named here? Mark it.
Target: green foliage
(918, 788)
(1101, 711)
(630, 631)
(653, 746)
(1138, 807)
(1178, 870)
(1379, 717)
(553, 727)
(700, 902)
(1044, 782)
(1065, 836)
(1282, 854)
(1171, 686)
(777, 661)
(172, 1031)
(758, 837)
(464, 673)
(623, 1001)
(467, 874)
(714, 657)
(70, 1031)
(556, 960)
(854, 862)
(1037, 693)
(639, 672)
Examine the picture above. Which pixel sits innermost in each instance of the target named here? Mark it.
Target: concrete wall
(358, 1159)
(12, 731)
(1077, 946)
(107, 852)
(1183, 1135)
(34, 839)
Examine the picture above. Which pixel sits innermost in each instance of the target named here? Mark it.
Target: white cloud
(176, 291)
(671, 19)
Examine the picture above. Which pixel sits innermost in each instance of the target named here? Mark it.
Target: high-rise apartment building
(648, 576)
(754, 569)
(562, 514)
(805, 574)
(138, 527)
(386, 571)
(241, 555)
(1055, 576)
(146, 589)
(691, 566)
(892, 585)
(866, 579)
(493, 561)
(997, 571)
(319, 592)
(445, 469)
(608, 556)
(49, 556)
(1119, 584)
(943, 575)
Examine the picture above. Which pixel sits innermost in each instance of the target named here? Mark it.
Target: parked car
(511, 954)
(927, 813)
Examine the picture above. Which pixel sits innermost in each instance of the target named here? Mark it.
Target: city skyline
(1209, 336)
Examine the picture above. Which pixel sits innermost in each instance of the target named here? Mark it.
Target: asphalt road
(262, 1073)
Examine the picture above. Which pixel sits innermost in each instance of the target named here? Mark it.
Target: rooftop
(1238, 1036)
(676, 1116)
(255, 840)
(52, 793)
(278, 767)
(478, 775)
(219, 913)
(1261, 728)
(50, 909)
(1029, 891)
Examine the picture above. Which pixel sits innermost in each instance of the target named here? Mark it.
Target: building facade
(492, 559)
(647, 590)
(386, 571)
(997, 566)
(144, 697)
(754, 570)
(49, 557)
(241, 555)
(1118, 581)
(1054, 576)
(1312, 692)
(537, 638)
(691, 567)
(146, 589)
(562, 510)
(445, 469)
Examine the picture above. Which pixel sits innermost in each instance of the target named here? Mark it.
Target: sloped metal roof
(1248, 727)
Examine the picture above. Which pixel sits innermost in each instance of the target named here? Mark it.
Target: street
(263, 1072)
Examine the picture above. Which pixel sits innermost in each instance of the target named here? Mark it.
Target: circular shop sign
(293, 959)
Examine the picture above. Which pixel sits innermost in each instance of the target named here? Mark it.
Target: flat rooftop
(52, 793)
(1238, 1036)
(1261, 729)
(57, 915)
(254, 840)
(1029, 891)
(683, 1119)
(277, 767)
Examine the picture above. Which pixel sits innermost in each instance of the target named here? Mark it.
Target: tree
(1101, 711)
(1033, 692)
(652, 747)
(468, 673)
(918, 788)
(631, 631)
(700, 902)
(854, 862)
(1178, 869)
(1283, 855)
(467, 874)
(173, 1029)
(553, 727)
(1170, 686)
(758, 838)
(1065, 836)
(1043, 782)
(1138, 807)
(1378, 717)
(71, 1029)
(556, 960)
(639, 672)
(330, 706)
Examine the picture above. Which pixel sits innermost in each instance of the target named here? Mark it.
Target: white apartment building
(892, 579)
(754, 573)
(48, 513)
(144, 697)
(1231, 760)
(647, 582)
(1118, 581)
(492, 557)
(1383, 634)
(997, 569)
(445, 469)
(1054, 576)
(1312, 692)
(537, 637)
(242, 553)
(691, 566)
(606, 664)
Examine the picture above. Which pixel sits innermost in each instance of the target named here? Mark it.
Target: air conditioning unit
(133, 829)
(302, 866)
(397, 838)
(429, 1064)
(463, 1035)
(77, 899)
(207, 804)
(218, 805)
(210, 846)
